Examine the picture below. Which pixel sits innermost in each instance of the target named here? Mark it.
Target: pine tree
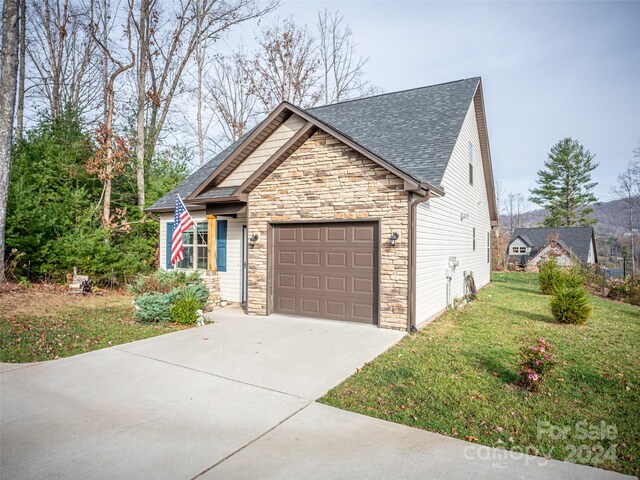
(565, 188)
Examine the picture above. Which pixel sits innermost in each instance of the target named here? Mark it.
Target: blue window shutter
(168, 249)
(221, 245)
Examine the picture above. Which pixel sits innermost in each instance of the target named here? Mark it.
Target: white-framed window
(488, 247)
(518, 250)
(194, 247)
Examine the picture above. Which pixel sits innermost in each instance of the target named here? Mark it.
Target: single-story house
(370, 210)
(568, 245)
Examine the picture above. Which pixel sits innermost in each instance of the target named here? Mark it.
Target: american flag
(182, 221)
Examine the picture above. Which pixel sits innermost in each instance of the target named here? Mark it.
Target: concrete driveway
(230, 400)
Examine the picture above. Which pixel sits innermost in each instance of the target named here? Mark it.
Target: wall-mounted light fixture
(253, 239)
(394, 238)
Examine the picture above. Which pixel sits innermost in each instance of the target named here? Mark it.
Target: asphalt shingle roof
(577, 239)
(414, 130)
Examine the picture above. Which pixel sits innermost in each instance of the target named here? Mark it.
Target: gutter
(413, 209)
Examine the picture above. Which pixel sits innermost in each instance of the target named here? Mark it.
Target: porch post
(212, 264)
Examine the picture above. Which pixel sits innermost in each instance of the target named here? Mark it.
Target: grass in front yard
(45, 323)
(457, 377)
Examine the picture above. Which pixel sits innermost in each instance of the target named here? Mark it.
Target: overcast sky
(549, 70)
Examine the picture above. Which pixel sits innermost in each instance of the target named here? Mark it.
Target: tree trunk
(142, 74)
(200, 52)
(106, 206)
(8, 80)
(21, 63)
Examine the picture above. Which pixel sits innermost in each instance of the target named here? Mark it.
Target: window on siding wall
(194, 248)
(203, 250)
(470, 163)
(474, 239)
(489, 247)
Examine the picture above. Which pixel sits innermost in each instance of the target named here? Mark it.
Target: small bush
(571, 305)
(627, 290)
(537, 361)
(153, 307)
(549, 272)
(184, 309)
(156, 307)
(162, 281)
(554, 278)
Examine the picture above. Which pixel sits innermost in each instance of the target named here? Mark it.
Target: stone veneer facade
(326, 180)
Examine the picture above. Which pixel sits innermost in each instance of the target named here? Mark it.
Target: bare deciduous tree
(628, 189)
(62, 55)
(8, 80)
(21, 69)
(342, 67)
(110, 146)
(230, 97)
(173, 44)
(142, 28)
(285, 67)
(515, 206)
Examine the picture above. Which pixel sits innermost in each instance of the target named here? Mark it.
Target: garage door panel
(286, 280)
(362, 285)
(286, 304)
(362, 260)
(310, 306)
(362, 310)
(311, 234)
(287, 234)
(336, 259)
(363, 234)
(337, 234)
(287, 257)
(311, 282)
(327, 271)
(336, 284)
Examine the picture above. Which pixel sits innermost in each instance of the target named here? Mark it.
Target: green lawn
(44, 324)
(457, 375)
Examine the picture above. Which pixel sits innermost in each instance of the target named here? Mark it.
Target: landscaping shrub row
(169, 297)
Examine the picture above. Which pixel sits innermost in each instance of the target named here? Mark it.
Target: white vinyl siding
(270, 146)
(440, 232)
(592, 253)
(231, 280)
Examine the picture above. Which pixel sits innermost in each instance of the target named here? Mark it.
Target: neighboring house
(369, 210)
(569, 245)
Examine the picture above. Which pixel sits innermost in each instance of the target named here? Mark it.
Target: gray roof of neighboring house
(414, 130)
(576, 239)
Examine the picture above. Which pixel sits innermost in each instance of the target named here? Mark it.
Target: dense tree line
(103, 93)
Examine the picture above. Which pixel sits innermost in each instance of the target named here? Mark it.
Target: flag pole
(195, 229)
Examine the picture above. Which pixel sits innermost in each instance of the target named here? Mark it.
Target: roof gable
(575, 239)
(411, 133)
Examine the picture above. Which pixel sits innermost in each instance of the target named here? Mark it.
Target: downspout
(413, 211)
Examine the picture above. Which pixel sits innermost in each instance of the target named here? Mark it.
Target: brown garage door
(327, 270)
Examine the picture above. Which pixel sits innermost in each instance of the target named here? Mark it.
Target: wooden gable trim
(481, 121)
(284, 152)
(246, 148)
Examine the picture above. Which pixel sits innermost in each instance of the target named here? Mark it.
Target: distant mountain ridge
(612, 218)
